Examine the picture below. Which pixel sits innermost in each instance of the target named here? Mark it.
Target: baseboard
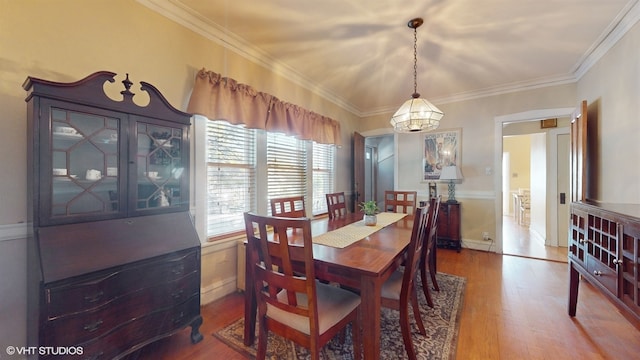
(218, 290)
(482, 245)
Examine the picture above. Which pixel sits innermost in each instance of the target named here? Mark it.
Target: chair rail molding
(10, 232)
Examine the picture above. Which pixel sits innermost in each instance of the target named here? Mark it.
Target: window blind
(323, 175)
(286, 167)
(231, 174)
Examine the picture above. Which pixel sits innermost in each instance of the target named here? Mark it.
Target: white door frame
(499, 121)
(552, 184)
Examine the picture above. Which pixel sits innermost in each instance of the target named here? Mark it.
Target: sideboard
(604, 249)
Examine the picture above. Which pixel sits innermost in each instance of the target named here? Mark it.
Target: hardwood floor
(517, 241)
(514, 308)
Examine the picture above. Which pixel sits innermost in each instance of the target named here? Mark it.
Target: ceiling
(359, 53)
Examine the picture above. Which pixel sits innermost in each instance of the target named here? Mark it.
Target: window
(231, 176)
(323, 176)
(286, 166)
(246, 168)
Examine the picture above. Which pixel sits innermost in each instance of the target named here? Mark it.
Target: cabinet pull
(93, 326)
(597, 272)
(94, 297)
(178, 270)
(617, 261)
(177, 319)
(177, 294)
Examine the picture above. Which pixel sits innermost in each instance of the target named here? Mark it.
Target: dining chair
(291, 303)
(400, 288)
(428, 259)
(400, 201)
(336, 205)
(292, 207)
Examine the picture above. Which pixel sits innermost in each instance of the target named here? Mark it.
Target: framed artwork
(441, 149)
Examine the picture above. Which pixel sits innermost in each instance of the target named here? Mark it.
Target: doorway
(535, 177)
(506, 225)
(379, 166)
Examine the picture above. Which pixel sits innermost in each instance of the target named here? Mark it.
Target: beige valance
(222, 98)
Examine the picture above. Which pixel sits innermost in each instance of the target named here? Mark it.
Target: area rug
(441, 323)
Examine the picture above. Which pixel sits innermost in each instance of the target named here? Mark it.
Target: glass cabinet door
(84, 164)
(159, 166)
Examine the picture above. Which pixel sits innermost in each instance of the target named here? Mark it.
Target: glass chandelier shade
(416, 114)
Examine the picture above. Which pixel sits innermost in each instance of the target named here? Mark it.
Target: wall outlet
(485, 236)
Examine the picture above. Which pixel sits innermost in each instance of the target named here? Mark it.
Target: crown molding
(184, 16)
(619, 26)
(176, 11)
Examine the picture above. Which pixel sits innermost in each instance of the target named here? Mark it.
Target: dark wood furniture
(400, 288)
(113, 256)
(449, 226)
(428, 259)
(336, 205)
(604, 248)
(400, 201)
(364, 265)
(288, 207)
(291, 303)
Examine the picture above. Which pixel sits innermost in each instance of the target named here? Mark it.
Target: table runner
(347, 235)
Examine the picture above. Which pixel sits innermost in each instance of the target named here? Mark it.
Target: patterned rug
(441, 322)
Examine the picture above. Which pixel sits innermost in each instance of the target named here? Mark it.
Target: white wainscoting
(13, 286)
(219, 269)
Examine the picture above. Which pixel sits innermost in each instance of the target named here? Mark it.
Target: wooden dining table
(363, 265)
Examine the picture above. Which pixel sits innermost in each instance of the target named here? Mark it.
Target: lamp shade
(415, 115)
(450, 173)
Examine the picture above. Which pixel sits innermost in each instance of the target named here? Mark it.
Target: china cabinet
(114, 259)
(604, 249)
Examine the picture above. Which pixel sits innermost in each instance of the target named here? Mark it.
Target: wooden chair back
(286, 288)
(336, 205)
(414, 251)
(428, 258)
(405, 281)
(400, 201)
(291, 207)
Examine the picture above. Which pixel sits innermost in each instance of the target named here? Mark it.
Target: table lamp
(451, 173)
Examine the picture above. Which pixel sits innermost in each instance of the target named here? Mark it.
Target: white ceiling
(359, 53)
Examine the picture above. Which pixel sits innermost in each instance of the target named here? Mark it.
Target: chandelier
(416, 114)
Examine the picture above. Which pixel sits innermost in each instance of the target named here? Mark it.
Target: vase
(370, 220)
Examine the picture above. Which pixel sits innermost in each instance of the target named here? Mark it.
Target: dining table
(362, 264)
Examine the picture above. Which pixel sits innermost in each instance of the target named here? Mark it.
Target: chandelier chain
(415, 60)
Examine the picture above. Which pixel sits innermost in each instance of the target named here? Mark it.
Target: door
(563, 189)
(578, 152)
(358, 171)
(370, 171)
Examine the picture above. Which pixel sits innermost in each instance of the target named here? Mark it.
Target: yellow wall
(66, 40)
(519, 148)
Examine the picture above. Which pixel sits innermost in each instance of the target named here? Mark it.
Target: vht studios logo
(44, 350)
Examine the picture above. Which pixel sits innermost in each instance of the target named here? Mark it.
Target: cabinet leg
(196, 337)
(574, 281)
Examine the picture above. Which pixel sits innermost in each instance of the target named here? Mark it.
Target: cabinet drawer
(140, 331)
(98, 289)
(603, 274)
(84, 326)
